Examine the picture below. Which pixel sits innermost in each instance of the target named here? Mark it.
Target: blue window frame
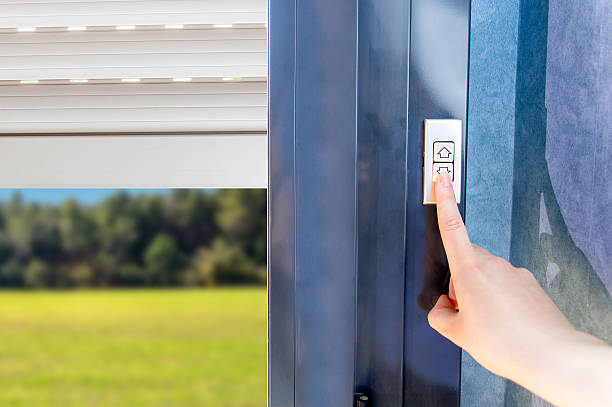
(354, 256)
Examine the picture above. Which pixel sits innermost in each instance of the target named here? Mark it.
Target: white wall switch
(442, 153)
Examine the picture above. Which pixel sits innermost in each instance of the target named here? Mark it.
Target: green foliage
(81, 275)
(36, 274)
(76, 229)
(188, 237)
(11, 273)
(161, 259)
(131, 275)
(242, 218)
(224, 264)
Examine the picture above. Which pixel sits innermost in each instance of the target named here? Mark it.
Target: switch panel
(442, 154)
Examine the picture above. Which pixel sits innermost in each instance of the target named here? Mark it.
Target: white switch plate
(446, 133)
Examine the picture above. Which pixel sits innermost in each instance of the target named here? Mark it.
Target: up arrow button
(444, 152)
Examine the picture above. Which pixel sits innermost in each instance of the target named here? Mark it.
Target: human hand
(504, 319)
(497, 312)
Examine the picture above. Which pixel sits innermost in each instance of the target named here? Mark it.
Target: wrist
(531, 355)
(560, 363)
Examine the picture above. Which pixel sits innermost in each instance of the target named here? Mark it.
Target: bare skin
(506, 321)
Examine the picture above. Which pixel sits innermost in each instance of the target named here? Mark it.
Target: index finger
(454, 235)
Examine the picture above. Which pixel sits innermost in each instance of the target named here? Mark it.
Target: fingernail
(444, 179)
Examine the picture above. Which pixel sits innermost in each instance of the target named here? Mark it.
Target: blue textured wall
(539, 130)
(490, 152)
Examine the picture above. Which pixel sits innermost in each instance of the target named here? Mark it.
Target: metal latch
(362, 400)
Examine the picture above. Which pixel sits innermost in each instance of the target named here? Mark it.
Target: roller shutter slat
(197, 106)
(195, 88)
(194, 161)
(204, 54)
(145, 12)
(151, 126)
(134, 108)
(142, 101)
(186, 35)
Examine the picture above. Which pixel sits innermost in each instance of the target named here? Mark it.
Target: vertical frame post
(439, 48)
(312, 138)
(384, 44)
(281, 204)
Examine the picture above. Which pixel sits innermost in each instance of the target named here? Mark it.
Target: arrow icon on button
(448, 171)
(444, 153)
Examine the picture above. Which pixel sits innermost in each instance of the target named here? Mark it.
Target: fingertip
(444, 179)
(443, 187)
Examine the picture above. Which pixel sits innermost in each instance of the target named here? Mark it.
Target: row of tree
(184, 237)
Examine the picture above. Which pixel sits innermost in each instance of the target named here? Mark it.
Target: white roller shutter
(132, 66)
(112, 54)
(155, 68)
(142, 107)
(62, 81)
(54, 13)
(144, 161)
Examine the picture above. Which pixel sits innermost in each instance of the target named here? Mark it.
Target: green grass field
(133, 348)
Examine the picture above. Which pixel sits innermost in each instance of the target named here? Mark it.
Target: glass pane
(133, 297)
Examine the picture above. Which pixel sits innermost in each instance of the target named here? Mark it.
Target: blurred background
(133, 297)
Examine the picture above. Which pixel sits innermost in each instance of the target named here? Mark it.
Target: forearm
(507, 322)
(569, 371)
